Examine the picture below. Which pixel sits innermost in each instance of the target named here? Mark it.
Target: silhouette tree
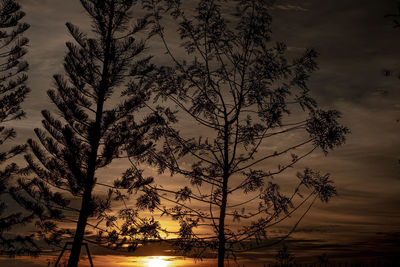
(12, 93)
(87, 134)
(284, 257)
(251, 108)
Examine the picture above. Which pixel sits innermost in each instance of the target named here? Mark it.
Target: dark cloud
(352, 38)
(289, 7)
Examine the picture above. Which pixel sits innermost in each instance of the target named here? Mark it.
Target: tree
(87, 136)
(13, 91)
(252, 111)
(284, 257)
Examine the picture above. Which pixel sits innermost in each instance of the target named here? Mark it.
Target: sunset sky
(356, 43)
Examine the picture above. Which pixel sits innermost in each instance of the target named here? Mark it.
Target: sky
(356, 43)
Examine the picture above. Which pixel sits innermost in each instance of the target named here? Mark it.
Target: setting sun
(157, 262)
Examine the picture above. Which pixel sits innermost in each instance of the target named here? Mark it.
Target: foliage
(254, 119)
(13, 91)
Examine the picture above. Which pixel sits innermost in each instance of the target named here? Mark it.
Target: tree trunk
(95, 141)
(222, 214)
(221, 226)
(90, 182)
(80, 229)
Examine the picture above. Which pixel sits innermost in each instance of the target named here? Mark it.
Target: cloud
(289, 7)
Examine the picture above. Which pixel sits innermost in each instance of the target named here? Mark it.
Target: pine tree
(12, 93)
(254, 118)
(87, 133)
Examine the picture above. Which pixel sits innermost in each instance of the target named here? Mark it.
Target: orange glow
(114, 261)
(157, 262)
